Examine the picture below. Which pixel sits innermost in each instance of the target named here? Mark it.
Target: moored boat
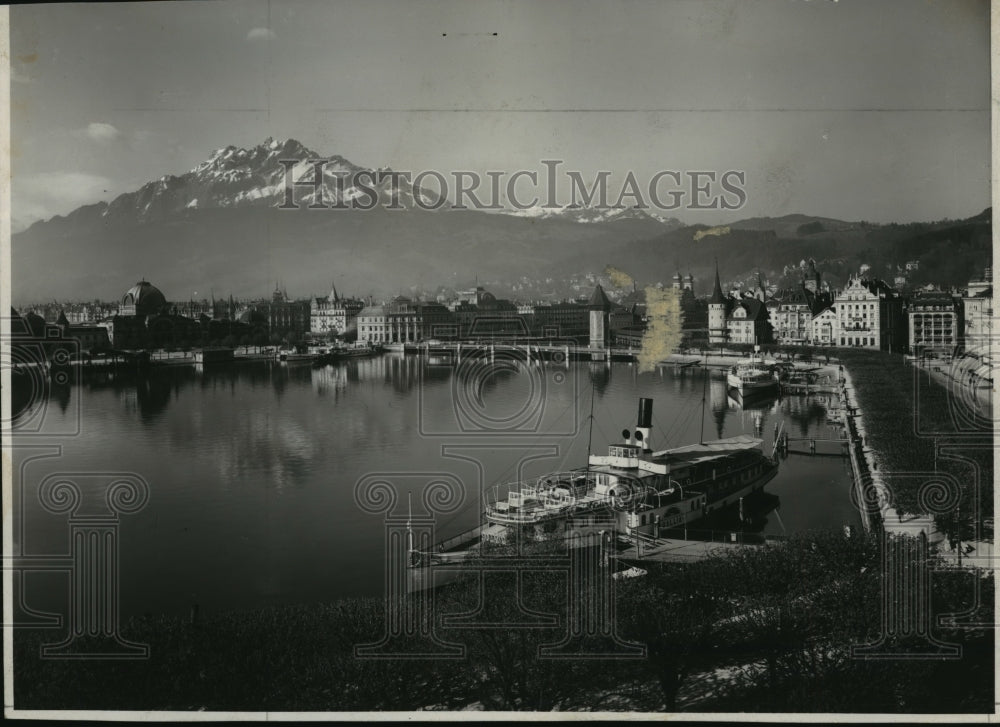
(753, 375)
(631, 489)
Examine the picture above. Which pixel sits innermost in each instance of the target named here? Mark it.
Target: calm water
(252, 468)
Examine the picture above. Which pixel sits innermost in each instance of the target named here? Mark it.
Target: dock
(677, 551)
(815, 446)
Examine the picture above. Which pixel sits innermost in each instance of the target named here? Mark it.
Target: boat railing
(543, 487)
(560, 494)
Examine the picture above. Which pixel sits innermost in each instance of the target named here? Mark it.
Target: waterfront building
(404, 321)
(480, 313)
(146, 320)
(285, 317)
(977, 306)
(91, 338)
(793, 311)
(823, 327)
(738, 319)
(372, 326)
(567, 319)
(142, 300)
(792, 316)
(870, 315)
(333, 314)
(935, 322)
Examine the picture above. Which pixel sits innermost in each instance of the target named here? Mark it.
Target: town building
(91, 338)
(793, 311)
(565, 320)
(935, 323)
(333, 315)
(403, 321)
(738, 319)
(977, 304)
(146, 320)
(870, 314)
(823, 327)
(481, 314)
(284, 317)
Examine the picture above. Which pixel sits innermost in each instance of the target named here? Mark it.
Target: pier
(815, 446)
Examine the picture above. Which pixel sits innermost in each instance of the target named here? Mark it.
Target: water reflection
(252, 466)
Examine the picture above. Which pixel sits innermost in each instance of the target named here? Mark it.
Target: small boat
(753, 375)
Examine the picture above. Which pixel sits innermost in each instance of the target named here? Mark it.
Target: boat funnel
(644, 424)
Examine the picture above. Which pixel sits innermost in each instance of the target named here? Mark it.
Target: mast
(704, 386)
(590, 435)
(409, 517)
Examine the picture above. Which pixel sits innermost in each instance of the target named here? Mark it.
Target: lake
(252, 467)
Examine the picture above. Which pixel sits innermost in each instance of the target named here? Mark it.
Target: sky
(871, 110)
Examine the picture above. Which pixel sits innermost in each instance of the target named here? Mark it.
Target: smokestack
(644, 423)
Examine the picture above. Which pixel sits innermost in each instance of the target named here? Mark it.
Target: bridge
(529, 350)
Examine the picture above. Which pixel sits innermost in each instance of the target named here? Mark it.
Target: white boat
(632, 489)
(753, 375)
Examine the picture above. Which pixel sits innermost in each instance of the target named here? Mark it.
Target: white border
(161, 716)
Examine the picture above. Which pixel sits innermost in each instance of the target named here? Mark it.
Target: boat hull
(751, 387)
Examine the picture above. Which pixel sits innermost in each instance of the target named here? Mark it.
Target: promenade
(956, 377)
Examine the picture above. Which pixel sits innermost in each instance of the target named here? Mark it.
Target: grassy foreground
(768, 628)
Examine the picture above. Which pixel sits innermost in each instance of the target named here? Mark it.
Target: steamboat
(631, 489)
(753, 376)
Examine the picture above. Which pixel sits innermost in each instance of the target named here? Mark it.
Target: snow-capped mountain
(254, 177)
(591, 215)
(234, 177)
(219, 226)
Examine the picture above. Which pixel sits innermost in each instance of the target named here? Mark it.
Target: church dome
(142, 299)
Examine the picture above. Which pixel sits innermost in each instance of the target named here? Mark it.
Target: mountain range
(219, 228)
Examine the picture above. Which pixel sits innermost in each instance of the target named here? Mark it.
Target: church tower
(717, 333)
(811, 279)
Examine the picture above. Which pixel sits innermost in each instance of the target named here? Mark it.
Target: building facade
(870, 314)
(935, 323)
(284, 316)
(403, 321)
(977, 304)
(734, 319)
(823, 327)
(91, 338)
(333, 314)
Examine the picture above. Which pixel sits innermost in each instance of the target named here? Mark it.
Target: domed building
(145, 321)
(142, 299)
